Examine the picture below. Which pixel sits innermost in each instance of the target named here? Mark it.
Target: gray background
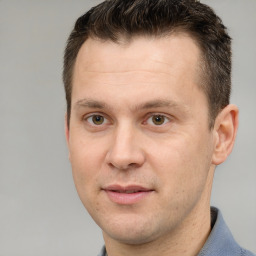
(40, 213)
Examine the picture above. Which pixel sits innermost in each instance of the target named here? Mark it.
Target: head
(144, 82)
(120, 21)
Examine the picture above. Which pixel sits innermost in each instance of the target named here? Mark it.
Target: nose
(126, 150)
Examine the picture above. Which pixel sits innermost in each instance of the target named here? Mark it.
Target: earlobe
(225, 128)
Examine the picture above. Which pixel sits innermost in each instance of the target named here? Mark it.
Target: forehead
(143, 69)
(148, 53)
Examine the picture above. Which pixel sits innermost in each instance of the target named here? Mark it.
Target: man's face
(139, 138)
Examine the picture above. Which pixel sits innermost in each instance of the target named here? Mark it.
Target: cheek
(86, 159)
(182, 163)
(84, 171)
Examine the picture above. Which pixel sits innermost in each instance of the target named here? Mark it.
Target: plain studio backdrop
(40, 212)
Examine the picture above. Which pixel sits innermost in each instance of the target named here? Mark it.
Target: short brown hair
(123, 19)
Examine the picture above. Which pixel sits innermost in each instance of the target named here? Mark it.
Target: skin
(128, 85)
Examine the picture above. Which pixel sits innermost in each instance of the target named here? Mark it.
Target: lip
(127, 195)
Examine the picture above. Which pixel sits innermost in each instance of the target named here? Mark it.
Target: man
(148, 120)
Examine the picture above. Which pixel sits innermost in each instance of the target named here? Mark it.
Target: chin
(134, 238)
(133, 233)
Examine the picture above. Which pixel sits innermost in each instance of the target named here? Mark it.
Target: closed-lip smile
(126, 195)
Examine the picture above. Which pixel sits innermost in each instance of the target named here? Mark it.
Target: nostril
(124, 166)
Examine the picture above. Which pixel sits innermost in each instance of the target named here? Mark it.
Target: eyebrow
(157, 103)
(89, 103)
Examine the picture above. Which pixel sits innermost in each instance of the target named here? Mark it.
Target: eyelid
(152, 114)
(107, 119)
(90, 115)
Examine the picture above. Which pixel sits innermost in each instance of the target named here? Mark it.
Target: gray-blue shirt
(220, 241)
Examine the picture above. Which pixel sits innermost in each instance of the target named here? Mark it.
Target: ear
(67, 131)
(225, 129)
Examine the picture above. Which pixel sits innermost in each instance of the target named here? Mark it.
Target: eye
(96, 120)
(157, 120)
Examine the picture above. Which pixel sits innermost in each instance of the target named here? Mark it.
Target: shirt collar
(220, 240)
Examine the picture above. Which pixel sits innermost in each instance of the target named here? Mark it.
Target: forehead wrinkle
(125, 71)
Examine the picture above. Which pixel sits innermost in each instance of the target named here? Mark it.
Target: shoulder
(220, 241)
(246, 253)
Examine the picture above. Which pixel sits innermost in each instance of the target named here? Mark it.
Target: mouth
(127, 191)
(127, 195)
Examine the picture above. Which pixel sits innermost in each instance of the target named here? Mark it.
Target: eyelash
(90, 117)
(106, 121)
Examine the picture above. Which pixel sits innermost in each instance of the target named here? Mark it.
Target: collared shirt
(220, 241)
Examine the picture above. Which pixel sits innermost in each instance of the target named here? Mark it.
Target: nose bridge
(125, 150)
